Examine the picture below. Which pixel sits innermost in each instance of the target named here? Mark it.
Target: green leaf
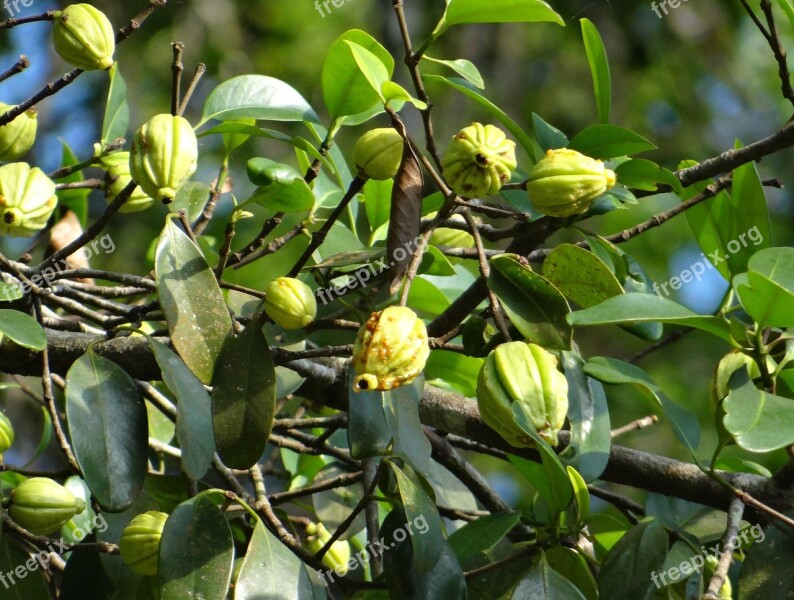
(271, 570)
(767, 289)
(571, 564)
(368, 432)
(396, 96)
(788, 8)
(282, 188)
(464, 87)
(599, 69)
(244, 397)
(427, 547)
(108, 429)
(482, 534)
(10, 291)
(76, 199)
(22, 329)
(190, 197)
(31, 587)
(464, 68)
(638, 308)
(642, 174)
(453, 371)
(346, 89)
(194, 417)
(683, 421)
(197, 317)
(506, 11)
(544, 583)
(196, 553)
(256, 97)
(627, 570)
(766, 571)
(434, 262)
(401, 410)
(372, 67)
(609, 141)
(377, 201)
(588, 414)
(758, 421)
(117, 109)
(549, 137)
(533, 304)
(580, 275)
(334, 506)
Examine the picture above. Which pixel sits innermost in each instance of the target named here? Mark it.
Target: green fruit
(6, 433)
(378, 153)
(17, 137)
(391, 350)
(117, 166)
(163, 156)
(140, 542)
(290, 303)
(565, 182)
(479, 161)
(42, 506)
(338, 555)
(526, 374)
(726, 591)
(84, 37)
(27, 199)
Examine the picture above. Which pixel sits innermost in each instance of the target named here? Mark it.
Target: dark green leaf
(580, 275)
(335, 505)
(766, 572)
(629, 566)
(244, 397)
(571, 565)
(599, 69)
(544, 583)
(197, 317)
(401, 409)
(117, 109)
(478, 536)
(22, 329)
(642, 174)
(368, 432)
(108, 429)
(31, 587)
(609, 141)
(76, 199)
(549, 137)
(82, 567)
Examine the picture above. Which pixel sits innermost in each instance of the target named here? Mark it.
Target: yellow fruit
(378, 153)
(17, 137)
(290, 303)
(479, 161)
(84, 37)
(27, 199)
(140, 542)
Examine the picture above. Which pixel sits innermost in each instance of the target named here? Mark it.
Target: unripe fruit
(140, 542)
(163, 156)
(290, 303)
(17, 137)
(118, 177)
(526, 374)
(726, 591)
(391, 350)
(42, 506)
(338, 555)
(27, 199)
(6, 433)
(565, 182)
(84, 37)
(378, 153)
(479, 161)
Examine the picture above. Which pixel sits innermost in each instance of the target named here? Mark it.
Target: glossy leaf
(549, 137)
(196, 553)
(244, 397)
(580, 275)
(190, 197)
(571, 565)
(22, 329)
(75, 199)
(117, 109)
(609, 141)
(401, 409)
(453, 371)
(30, 587)
(626, 571)
(544, 583)
(533, 304)
(295, 196)
(108, 429)
(372, 67)
(256, 97)
(506, 11)
(464, 68)
(767, 289)
(642, 174)
(599, 69)
(368, 432)
(480, 535)
(194, 416)
(271, 570)
(197, 317)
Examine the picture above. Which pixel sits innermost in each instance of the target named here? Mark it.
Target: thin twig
(729, 542)
(176, 77)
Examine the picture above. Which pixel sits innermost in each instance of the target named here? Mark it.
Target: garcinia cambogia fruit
(140, 542)
(290, 303)
(565, 182)
(338, 555)
(526, 374)
(27, 199)
(391, 350)
(6, 433)
(163, 156)
(17, 137)
(479, 161)
(42, 505)
(378, 153)
(84, 37)
(726, 591)
(117, 177)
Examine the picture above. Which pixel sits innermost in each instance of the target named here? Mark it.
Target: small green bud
(140, 542)
(527, 374)
(17, 137)
(479, 161)
(163, 156)
(42, 506)
(391, 350)
(378, 153)
(565, 182)
(290, 303)
(338, 555)
(27, 199)
(84, 37)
